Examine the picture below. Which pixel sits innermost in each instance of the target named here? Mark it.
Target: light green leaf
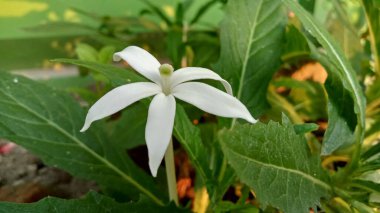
(92, 203)
(251, 38)
(47, 122)
(343, 70)
(276, 162)
(117, 76)
(105, 54)
(86, 52)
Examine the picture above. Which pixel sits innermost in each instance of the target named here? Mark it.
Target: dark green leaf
(342, 72)
(342, 119)
(367, 185)
(92, 203)
(129, 130)
(47, 122)
(276, 162)
(308, 5)
(296, 46)
(251, 37)
(373, 150)
(189, 137)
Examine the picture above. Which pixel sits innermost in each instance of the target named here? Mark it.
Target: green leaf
(202, 11)
(190, 138)
(116, 75)
(366, 185)
(47, 122)
(92, 203)
(372, 12)
(105, 54)
(251, 37)
(86, 52)
(373, 150)
(342, 119)
(129, 130)
(296, 46)
(343, 71)
(305, 128)
(309, 5)
(277, 163)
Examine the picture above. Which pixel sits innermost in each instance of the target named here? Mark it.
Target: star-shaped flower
(166, 85)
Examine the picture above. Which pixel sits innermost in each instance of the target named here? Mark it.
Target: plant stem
(170, 173)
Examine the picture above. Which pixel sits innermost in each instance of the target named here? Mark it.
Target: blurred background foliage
(34, 31)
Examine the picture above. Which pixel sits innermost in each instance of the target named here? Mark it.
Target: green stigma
(166, 70)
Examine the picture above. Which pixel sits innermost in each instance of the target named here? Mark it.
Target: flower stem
(170, 173)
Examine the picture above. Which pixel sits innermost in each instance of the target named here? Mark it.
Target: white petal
(159, 128)
(119, 98)
(212, 100)
(142, 61)
(197, 73)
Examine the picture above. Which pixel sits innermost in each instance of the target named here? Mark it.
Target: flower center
(166, 71)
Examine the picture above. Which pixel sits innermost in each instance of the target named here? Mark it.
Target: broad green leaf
(342, 72)
(47, 122)
(251, 38)
(91, 203)
(373, 20)
(277, 163)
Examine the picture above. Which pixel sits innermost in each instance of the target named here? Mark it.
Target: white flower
(166, 85)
